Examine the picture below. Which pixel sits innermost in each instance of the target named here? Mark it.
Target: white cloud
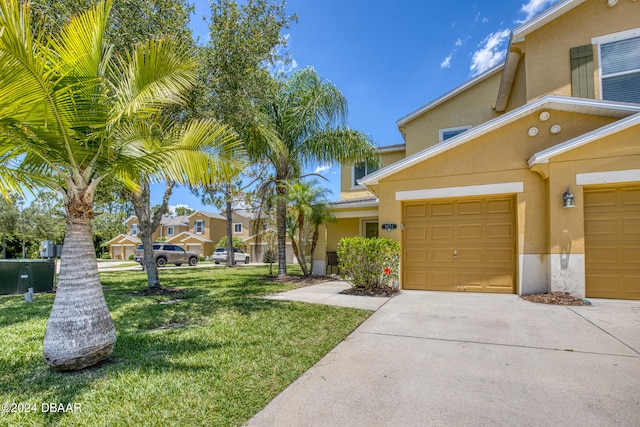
(534, 7)
(490, 53)
(322, 168)
(447, 62)
(459, 42)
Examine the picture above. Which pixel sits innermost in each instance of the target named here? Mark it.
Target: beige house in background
(525, 179)
(198, 232)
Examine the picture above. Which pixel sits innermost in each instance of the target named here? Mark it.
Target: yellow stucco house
(198, 232)
(525, 179)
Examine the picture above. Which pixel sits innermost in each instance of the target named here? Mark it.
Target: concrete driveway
(457, 359)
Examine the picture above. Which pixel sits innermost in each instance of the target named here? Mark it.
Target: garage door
(612, 242)
(460, 245)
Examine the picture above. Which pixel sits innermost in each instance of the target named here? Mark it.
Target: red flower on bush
(387, 270)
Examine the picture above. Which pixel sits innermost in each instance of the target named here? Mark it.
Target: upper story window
(134, 230)
(170, 230)
(444, 134)
(360, 170)
(237, 227)
(620, 66)
(198, 226)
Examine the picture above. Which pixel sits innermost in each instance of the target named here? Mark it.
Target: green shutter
(582, 72)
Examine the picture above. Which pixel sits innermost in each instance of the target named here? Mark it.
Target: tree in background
(245, 45)
(188, 141)
(130, 22)
(43, 219)
(304, 123)
(65, 104)
(9, 211)
(183, 211)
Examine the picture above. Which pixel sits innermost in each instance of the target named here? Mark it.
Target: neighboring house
(526, 179)
(198, 232)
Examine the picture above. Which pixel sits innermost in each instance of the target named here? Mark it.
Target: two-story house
(525, 179)
(198, 232)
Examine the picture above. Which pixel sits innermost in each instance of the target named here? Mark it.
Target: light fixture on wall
(568, 199)
(612, 3)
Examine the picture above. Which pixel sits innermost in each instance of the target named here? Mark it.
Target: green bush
(106, 255)
(131, 257)
(201, 258)
(369, 263)
(238, 243)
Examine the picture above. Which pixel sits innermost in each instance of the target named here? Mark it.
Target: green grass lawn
(215, 358)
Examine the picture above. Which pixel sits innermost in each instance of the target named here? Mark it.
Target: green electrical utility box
(18, 275)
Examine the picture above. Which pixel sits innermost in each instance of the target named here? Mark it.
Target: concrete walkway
(329, 293)
(456, 359)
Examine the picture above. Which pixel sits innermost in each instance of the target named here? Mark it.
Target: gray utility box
(18, 275)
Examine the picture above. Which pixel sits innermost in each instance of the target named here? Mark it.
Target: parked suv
(220, 255)
(165, 253)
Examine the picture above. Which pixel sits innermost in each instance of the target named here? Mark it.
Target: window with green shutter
(582, 72)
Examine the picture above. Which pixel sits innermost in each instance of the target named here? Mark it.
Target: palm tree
(65, 102)
(304, 123)
(309, 208)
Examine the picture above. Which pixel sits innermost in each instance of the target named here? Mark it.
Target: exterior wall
(472, 107)
(497, 158)
(177, 229)
(214, 228)
(247, 225)
(567, 247)
(548, 48)
(121, 248)
(348, 192)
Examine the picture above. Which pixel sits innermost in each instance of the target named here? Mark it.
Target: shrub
(201, 258)
(369, 263)
(238, 243)
(106, 255)
(131, 257)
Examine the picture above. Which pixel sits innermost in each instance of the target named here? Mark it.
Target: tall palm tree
(65, 102)
(303, 123)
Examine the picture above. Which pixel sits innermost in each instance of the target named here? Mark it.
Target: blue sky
(391, 58)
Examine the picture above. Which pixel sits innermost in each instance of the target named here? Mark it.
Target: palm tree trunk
(314, 243)
(302, 258)
(281, 226)
(231, 259)
(80, 331)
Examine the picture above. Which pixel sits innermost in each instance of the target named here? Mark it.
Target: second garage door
(612, 242)
(460, 245)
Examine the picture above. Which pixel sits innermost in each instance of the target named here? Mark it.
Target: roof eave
(613, 109)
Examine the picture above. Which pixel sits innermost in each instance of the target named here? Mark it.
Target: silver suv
(166, 253)
(220, 255)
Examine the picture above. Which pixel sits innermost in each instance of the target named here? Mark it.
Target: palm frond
(156, 74)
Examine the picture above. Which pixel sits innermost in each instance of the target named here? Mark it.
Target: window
(448, 133)
(620, 66)
(198, 227)
(170, 230)
(134, 229)
(237, 227)
(371, 229)
(360, 170)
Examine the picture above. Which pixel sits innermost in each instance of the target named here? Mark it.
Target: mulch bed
(371, 292)
(557, 298)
